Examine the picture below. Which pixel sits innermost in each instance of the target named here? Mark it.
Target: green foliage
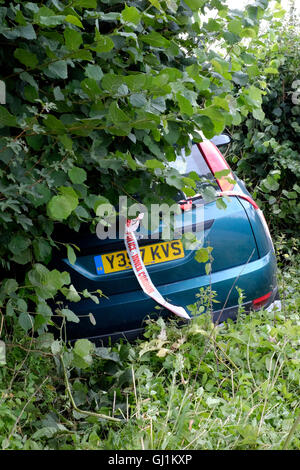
(98, 95)
(265, 148)
(195, 387)
(84, 81)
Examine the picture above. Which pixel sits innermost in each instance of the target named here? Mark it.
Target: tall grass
(194, 387)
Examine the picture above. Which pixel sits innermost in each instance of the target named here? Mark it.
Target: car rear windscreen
(185, 164)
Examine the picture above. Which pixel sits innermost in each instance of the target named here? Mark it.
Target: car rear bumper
(218, 317)
(124, 314)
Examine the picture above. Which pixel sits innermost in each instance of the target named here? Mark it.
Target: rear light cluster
(261, 301)
(216, 162)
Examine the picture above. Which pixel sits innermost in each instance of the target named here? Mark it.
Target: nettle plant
(98, 96)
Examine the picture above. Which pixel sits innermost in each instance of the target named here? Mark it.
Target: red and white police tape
(140, 270)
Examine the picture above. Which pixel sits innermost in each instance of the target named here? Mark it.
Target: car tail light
(216, 162)
(261, 301)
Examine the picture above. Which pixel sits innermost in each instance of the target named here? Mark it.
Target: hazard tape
(140, 270)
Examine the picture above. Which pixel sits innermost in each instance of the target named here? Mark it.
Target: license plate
(151, 254)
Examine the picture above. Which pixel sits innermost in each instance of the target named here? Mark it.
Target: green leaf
(240, 78)
(202, 255)
(156, 4)
(59, 69)
(82, 353)
(219, 174)
(26, 32)
(25, 321)
(82, 213)
(56, 279)
(70, 316)
(220, 203)
(46, 17)
(18, 243)
(60, 207)
(221, 66)
(130, 15)
(42, 249)
(77, 175)
(138, 100)
(235, 26)
(90, 87)
(270, 183)
(208, 268)
(155, 39)
(184, 105)
(88, 295)
(44, 309)
(10, 286)
(44, 341)
(174, 180)
(92, 319)
(71, 254)
(73, 20)
(81, 55)
(26, 57)
(216, 116)
(152, 164)
(53, 20)
(248, 58)
(103, 43)
(271, 70)
(98, 201)
(258, 114)
(248, 33)
(7, 119)
(23, 257)
(83, 347)
(38, 275)
(53, 123)
(72, 294)
(146, 120)
(66, 141)
(116, 114)
(213, 25)
(73, 39)
(195, 4)
(56, 347)
(94, 72)
(85, 3)
(107, 355)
